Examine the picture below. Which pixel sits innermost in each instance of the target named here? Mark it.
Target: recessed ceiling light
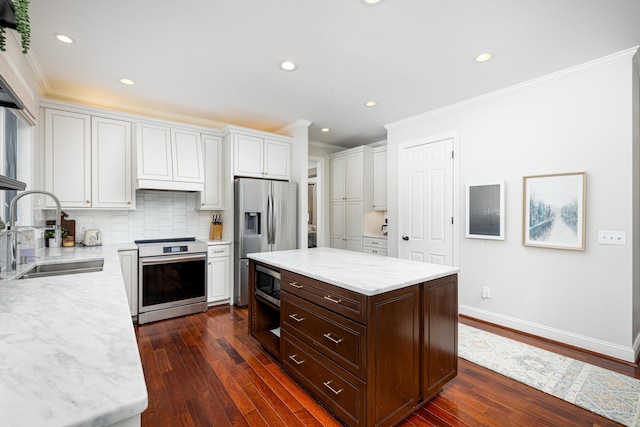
(63, 38)
(484, 57)
(325, 129)
(371, 2)
(127, 82)
(370, 103)
(288, 65)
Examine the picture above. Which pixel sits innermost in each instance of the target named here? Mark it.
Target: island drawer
(339, 300)
(375, 242)
(340, 339)
(340, 391)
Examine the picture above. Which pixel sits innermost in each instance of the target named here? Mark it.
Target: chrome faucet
(12, 214)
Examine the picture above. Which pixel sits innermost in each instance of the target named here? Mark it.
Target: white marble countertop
(68, 351)
(363, 273)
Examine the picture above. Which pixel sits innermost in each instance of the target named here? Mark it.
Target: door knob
(405, 238)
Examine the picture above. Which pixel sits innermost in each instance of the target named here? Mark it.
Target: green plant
(50, 234)
(15, 15)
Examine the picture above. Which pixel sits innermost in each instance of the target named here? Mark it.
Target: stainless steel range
(172, 278)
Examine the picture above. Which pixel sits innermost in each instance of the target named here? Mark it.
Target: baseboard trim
(626, 354)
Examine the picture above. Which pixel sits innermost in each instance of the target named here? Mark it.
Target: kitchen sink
(61, 268)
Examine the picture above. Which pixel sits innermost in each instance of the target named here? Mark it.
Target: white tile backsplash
(158, 214)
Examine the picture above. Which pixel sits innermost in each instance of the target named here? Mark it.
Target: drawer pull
(296, 361)
(374, 243)
(295, 317)
(330, 298)
(330, 338)
(218, 251)
(328, 385)
(296, 285)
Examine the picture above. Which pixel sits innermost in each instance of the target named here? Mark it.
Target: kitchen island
(372, 338)
(68, 352)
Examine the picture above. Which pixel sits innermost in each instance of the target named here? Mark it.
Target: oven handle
(164, 259)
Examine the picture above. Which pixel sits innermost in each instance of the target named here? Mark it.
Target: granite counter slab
(68, 351)
(363, 273)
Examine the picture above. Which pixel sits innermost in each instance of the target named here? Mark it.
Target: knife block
(215, 231)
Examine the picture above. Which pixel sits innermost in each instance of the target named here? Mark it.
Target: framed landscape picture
(554, 211)
(485, 211)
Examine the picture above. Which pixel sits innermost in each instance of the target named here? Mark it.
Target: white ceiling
(218, 59)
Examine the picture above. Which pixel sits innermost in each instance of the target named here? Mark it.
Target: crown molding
(578, 69)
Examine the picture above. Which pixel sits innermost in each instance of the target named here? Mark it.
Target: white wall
(573, 121)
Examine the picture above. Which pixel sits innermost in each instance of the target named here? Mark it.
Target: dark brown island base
(372, 338)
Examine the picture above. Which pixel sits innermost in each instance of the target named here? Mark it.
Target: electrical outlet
(486, 292)
(612, 237)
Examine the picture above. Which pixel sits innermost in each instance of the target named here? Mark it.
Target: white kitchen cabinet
(261, 156)
(68, 158)
(351, 196)
(380, 179)
(218, 274)
(374, 245)
(111, 175)
(168, 158)
(212, 197)
(88, 160)
(129, 266)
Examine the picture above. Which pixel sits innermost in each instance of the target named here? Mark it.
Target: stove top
(165, 240)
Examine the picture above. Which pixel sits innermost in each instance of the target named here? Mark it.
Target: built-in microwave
(268, 284)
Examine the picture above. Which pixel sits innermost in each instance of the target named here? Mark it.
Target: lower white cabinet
(374, 245)
(129, 265)
(218, 278)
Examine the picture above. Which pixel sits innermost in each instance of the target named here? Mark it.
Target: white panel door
(353, 174)
(187, 156)
(153, 148)
(353, 215)
(68, 158)
(338, 234)
(426, 202)
(277, 160)
(212, 197)
(248, 156)
(337, 179)
(111, 181)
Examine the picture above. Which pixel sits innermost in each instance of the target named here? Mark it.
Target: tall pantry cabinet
(351, 196)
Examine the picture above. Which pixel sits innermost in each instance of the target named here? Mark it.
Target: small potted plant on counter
(50, 238)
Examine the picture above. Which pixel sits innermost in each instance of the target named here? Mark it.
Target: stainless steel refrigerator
(266, 219)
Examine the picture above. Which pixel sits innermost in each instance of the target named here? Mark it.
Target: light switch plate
(612, 237)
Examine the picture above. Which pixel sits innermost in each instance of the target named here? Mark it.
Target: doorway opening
(315, 220)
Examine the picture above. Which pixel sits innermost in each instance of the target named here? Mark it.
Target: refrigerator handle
(274, 221)
(269, 219)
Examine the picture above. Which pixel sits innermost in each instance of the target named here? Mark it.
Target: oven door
(268, 284)
(170, 281)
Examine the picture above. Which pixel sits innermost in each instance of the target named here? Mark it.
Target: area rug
(612, 395)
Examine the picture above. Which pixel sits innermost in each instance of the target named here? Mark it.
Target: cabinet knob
(87, 201)
(129, 202)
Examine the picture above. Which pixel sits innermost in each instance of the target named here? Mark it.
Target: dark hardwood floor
(205, 370)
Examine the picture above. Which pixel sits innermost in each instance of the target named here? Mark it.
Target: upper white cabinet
(380, 179)
(111, 175)
(212, 197)
(351, 196)
(261, 155)
(88, 160)
(168, 158)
